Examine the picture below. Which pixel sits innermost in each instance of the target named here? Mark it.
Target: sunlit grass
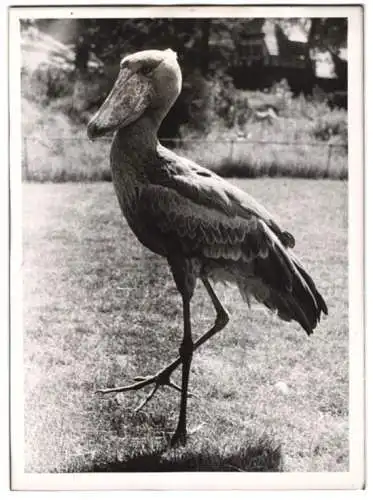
(100, 309)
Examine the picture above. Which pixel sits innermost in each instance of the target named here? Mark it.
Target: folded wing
(244, 241)
(205, 188)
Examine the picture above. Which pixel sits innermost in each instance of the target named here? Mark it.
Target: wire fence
(68, 150)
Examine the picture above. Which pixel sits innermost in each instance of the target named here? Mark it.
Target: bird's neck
(133, 151)
(139, 139)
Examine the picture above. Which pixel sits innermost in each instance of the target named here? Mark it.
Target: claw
(178, 388)
(140, 378)
(161, 378)
(147, 399)
(133, 387)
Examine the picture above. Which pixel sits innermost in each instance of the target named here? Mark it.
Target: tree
(328, 33)
(331, 34)
(205, 39)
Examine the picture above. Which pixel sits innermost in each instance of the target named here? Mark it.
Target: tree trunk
(205, 52)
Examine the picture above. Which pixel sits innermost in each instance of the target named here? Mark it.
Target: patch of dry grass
(251, 160)
(57, 150)
(100, 309)
(307, 140)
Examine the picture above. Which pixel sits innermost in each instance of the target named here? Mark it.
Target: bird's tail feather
(322, 307)
(289, 289)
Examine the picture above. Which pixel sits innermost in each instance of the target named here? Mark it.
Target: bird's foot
(179, 438)
(159, 379)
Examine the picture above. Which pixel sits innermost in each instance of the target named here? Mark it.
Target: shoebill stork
(204, 226)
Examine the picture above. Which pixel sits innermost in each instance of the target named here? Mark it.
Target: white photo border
(352, 479)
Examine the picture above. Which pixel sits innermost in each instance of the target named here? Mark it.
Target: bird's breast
(128, 190)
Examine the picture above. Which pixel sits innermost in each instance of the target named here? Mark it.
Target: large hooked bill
(128, 99)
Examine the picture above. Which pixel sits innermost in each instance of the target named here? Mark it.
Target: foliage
(209, 106)
(328, 33)
(58, 149)
(206, 49)
(46, 84)
(330, 126)
(321, 32)
(203, 44)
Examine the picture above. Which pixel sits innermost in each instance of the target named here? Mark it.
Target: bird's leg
(163, 376)
(222, 316)
(186, 354)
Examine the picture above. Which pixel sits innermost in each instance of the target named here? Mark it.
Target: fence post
(231, 150)
(25, 159)
(330, 147)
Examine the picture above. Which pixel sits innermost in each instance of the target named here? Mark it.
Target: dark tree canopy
(202, 44)
(209, 50)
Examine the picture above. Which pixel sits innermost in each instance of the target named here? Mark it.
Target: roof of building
(297, 36)
(270, 38)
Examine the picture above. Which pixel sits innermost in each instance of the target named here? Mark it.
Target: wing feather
(206, 188)
(196, 228)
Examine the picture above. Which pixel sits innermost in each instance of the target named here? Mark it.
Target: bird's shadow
(262, 457)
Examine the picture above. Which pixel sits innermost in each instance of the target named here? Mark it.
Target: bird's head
(148, 81)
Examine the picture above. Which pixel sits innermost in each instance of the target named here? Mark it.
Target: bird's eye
(146, 70)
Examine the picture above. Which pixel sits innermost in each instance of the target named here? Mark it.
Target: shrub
(224, 97)
(195, 103)
(56, 83)
(332, 125)
(219, 130)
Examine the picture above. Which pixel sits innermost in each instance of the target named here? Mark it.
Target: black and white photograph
(186, 187)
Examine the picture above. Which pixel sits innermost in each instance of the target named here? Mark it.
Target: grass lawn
(100, 309)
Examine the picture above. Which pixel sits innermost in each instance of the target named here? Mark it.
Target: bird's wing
(200, 230)
(207, 189)
(187, 227)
